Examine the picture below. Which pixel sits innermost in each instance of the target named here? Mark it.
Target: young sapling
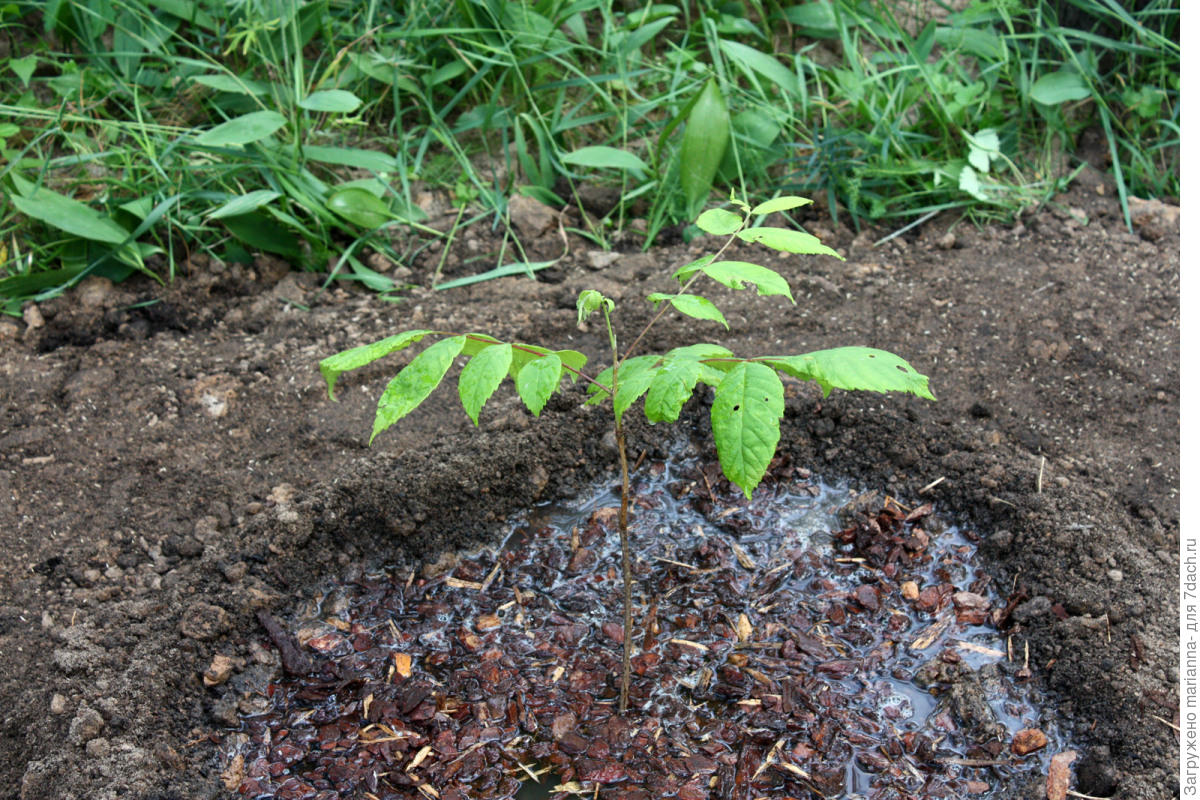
(747, 391)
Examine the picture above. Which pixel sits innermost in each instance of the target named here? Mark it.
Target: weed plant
(134, 133)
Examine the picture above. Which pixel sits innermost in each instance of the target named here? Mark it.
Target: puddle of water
(771, 655)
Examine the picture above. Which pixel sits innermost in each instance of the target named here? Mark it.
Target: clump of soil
(766, 664)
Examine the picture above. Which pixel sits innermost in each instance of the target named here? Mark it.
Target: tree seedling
(748, 393)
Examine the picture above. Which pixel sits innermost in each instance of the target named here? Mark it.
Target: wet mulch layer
(769, 662)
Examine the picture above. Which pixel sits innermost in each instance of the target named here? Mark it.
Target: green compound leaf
(482, 376)
(537, 380)
(779, 204)
(719, 222)
(704, 142)
(736, 274)
(671, 387)
(362, 355)
(855, 369)
(415, 382)
(746, 410)
(692, 305)
(788, 241)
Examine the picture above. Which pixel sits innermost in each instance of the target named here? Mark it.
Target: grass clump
(134, 133)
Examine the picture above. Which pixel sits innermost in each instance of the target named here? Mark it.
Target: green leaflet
(525, 353)
(481, 377)
(671, 387)
(779, 204)
(632, 383)
(704, 142)
(596, 395)
(854, 368)
(415, 382)
(477, 343)
(788, 241)
(746, 410)
(710, 374)
(692, 305)
(537, 380)
(719, 222)
(688, 270)
(362, 355)
(735, 274)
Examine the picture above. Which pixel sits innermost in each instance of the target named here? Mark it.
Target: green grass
(136, 132)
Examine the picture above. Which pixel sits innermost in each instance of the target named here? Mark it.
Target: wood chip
(743, 557)
(931, 634)
(403, 664)
(429, 790)
(744, 628)
(794, 769)
(570, 787)
(701, 647)
(233, 774)
(978, 648)
(1058, 779)
(768, 760)
(459, 583)
(490, 578)
(487, 622)
(418, 758)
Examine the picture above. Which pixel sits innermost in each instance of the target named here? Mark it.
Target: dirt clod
(86, 725)
(204, 621)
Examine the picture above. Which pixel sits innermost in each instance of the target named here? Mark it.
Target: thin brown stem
(626, 572)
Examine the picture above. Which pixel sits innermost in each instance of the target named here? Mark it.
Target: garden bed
(174, 469)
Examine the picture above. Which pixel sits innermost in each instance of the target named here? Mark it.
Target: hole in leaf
(902, 369)
(738, 407)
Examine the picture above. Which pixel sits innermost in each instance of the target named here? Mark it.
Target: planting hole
(782, 649)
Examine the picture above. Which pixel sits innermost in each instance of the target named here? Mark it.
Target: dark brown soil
(172, 469)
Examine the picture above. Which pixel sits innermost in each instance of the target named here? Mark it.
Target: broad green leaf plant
(747, 391)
